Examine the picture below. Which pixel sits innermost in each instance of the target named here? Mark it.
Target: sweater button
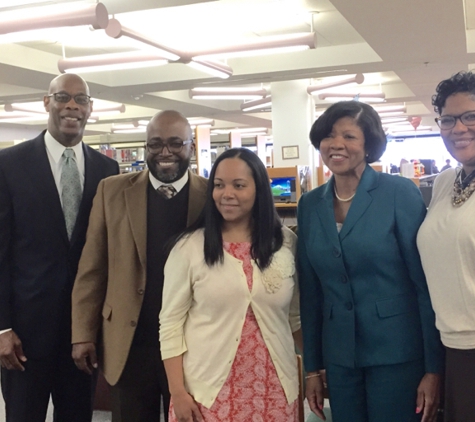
(140, 291)
(349, 306)
(336, 252)
(133, 323)
(344, 279)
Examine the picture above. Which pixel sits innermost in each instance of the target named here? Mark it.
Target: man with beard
(46, 189)
(118, 291)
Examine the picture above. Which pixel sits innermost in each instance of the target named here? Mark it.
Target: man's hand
(85, 358)
(11, 351)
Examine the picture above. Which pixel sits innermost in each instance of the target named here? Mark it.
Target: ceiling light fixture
(57, 17)
(385, 114)
(318, 89)
(200, 122)
(220, 70)
(39, 108)
(108, 62)
(260, 130)
(116, 30)
(257, 104)
(347, 96)
(389, 108)
(261, 46)
(205, 60)
(227, 93)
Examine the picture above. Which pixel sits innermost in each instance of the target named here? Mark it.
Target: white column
(293, 112)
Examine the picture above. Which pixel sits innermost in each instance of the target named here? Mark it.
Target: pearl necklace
(341, 199)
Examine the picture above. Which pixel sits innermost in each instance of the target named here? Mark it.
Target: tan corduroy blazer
(110, 284)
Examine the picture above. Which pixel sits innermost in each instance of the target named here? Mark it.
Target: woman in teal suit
(365, 307)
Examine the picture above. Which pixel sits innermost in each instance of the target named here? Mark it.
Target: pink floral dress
(252, 391)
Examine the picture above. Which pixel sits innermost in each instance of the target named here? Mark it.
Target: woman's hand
(185, 407)
(428, 396)
(314, 392)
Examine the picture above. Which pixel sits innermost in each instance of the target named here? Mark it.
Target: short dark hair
(365, 117)
(267, 235)
(460, 82)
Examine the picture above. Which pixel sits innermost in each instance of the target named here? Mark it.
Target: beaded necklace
(464, 186)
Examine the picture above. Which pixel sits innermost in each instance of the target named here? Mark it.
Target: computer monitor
(283, 189)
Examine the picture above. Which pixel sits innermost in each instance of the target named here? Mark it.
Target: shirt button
(133, 323)
(336, 252)
(349, 306)
(140, 291)
(344, 279)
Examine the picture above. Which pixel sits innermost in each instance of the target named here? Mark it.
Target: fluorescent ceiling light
(257, 104)
(348, 96)
(385, 114)
(227, 93)
(108, 62)
(261, 46)
(200, 122)
(390, 107)
(241, 130)
(139, 129)
(99, 106)
(410, 129)
(252, 134)
(116, 30)
(220, 70)
(60, 15)
(317, 89)
(18, 3)
(393, 120)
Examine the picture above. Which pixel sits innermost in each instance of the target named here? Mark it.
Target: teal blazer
(364, 298)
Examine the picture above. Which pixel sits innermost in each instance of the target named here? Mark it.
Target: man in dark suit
(117, 295)
(46, 189)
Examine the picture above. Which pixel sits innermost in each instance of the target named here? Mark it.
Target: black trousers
(27, 393)
(459, 385)
(141, 388)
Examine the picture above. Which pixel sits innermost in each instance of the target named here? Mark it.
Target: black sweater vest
(165, 219)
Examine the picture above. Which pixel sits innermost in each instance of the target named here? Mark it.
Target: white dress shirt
(178, 184)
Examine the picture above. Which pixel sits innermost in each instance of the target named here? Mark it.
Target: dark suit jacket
(110, 285)
(38, 263)
(364, 297)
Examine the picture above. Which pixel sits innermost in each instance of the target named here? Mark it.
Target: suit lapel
(326, 214)
(43, 181)
(196, 200)
(92, 176)
(362, 200)
(136, 206)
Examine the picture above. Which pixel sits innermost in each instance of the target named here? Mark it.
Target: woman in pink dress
(230, 304)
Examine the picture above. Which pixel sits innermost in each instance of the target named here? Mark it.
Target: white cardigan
(446, 242)
(204, 309)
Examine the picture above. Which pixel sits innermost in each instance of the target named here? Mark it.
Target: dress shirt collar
(178, 184)
(56, 149)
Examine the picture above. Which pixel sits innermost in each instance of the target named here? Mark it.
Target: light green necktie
(71, 191)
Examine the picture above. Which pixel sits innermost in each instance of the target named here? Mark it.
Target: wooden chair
(301, 397)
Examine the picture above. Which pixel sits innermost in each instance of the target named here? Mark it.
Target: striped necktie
(71, 191)
(168, 191)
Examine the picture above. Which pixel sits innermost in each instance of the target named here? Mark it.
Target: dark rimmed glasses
(63, 97)
(174, 147)
(448, 122)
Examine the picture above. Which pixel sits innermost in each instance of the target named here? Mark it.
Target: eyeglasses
(63, 97)
(448, 122)
(174, 147)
